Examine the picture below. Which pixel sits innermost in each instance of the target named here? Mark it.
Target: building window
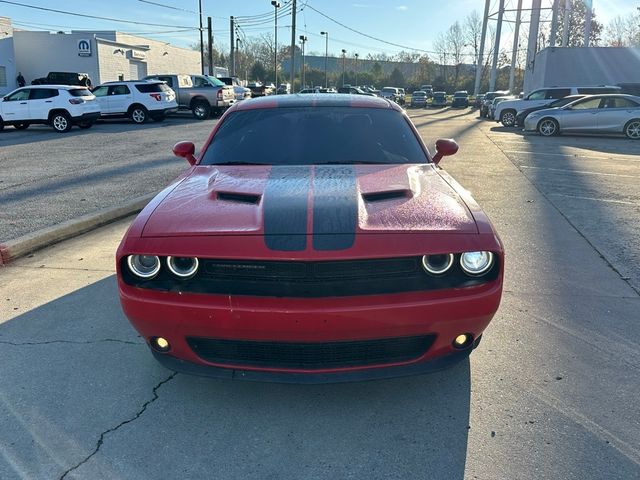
(3, 76)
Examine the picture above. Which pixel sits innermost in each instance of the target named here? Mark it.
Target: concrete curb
(31, 242)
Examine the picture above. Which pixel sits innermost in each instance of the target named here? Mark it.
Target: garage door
(137, 70)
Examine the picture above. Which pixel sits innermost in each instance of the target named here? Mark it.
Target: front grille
(310, 355)
(275, 278)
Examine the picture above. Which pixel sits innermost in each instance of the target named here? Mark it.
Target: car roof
(59, 87)
(314, 100)
(121, 82)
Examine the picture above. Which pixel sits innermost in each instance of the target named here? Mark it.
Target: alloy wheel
(138, 115)
(60, 123)
(633, 130)
(547, 128)
(508, 119)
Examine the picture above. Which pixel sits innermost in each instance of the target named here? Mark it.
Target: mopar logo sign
(84, 48)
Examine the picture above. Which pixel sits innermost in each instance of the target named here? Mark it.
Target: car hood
(313, 200)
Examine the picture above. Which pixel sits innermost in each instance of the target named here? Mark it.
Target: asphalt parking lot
(551, 393)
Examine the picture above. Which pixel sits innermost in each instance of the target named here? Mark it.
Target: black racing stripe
(285, 208)
(335, 207)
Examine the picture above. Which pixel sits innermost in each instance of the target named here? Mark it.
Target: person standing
(20, 80)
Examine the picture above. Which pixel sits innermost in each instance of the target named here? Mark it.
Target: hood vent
(239, 197)
(388, 195)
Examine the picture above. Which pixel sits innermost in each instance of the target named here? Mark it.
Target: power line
(168, 6)
(118, 20)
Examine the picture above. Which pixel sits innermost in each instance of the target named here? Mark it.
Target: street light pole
(326, 56)
(344, 55)
(356, 55)
(201, 38)
(276, 5)
(303, 40)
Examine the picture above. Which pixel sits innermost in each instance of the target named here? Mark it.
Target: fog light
(463, 340)
(160, 344)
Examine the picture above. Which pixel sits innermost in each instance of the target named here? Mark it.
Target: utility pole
(567, 23)
(533, 42)
(293, 43)
(479, 60)
(276, 5)
(326, 56)
(210, 44)
(587, 23)
(554, 23)
(356, 55)
(344, 56)
(232, 54)
(303, 40)
(496, 49)
(516, 44)
(201, 39)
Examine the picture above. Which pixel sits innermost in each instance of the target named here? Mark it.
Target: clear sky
(411, 23)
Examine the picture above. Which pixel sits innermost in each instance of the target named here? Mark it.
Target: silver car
(592, 114)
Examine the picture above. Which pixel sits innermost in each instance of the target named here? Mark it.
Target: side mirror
(185, 150)
(444, 148)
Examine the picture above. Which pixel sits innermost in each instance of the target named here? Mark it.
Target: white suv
(60, 106)
(139, 100)
(507, 111)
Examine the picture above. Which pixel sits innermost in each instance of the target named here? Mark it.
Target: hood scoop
(238, 197)
(386, 195)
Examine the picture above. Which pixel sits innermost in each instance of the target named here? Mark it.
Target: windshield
(313, 136)
(564, 101)
(460, 94)
(215, 81)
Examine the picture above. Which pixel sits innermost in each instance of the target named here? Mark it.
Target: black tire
(61, 122)
(85, 125)
(632, 129)
(139, 114)
(1, 124)
(508, 118)
(548, 127)
(21, 126)
(201, 109)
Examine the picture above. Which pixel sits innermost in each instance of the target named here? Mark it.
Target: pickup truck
(242, 93)
(63, 78)
(201, 94)
(260, 90)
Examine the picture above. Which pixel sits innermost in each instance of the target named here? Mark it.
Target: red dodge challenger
(313, 240)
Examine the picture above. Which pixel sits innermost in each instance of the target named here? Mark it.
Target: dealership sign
(84, 48)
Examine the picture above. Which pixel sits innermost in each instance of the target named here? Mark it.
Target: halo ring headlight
(476, 263)
(144, 266)
(437, 264)
(183, 267)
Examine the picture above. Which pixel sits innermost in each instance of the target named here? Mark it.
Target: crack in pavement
(113, 429)
(76, 342)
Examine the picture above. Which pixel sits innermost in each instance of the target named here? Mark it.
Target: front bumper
(443, 314)
(531, 124)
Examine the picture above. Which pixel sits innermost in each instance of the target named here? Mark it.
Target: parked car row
(153, 97)
(555, 110)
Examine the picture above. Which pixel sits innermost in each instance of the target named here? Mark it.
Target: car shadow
(76, 375)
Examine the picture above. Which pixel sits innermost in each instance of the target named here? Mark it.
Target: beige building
(103, 55)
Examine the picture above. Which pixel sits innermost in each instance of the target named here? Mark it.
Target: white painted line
(621, 202)
(581, 171)
(619, 156)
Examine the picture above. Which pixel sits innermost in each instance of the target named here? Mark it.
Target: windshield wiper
(239, 163)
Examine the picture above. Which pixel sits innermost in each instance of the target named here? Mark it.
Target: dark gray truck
(198, 93)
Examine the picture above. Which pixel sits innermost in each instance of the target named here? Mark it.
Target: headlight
(476, 263)
(183, 267)
(144, 266)
(437, 264)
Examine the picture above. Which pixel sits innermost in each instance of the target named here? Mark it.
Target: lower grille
(311, 355)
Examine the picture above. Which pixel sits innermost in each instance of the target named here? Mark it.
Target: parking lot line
(573, 155)
(585, 172)
(578, 197)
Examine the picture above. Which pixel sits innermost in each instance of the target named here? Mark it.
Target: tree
(396, 77)
(624, 32)
(258, 72)
(577, 19)
(454, 40)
